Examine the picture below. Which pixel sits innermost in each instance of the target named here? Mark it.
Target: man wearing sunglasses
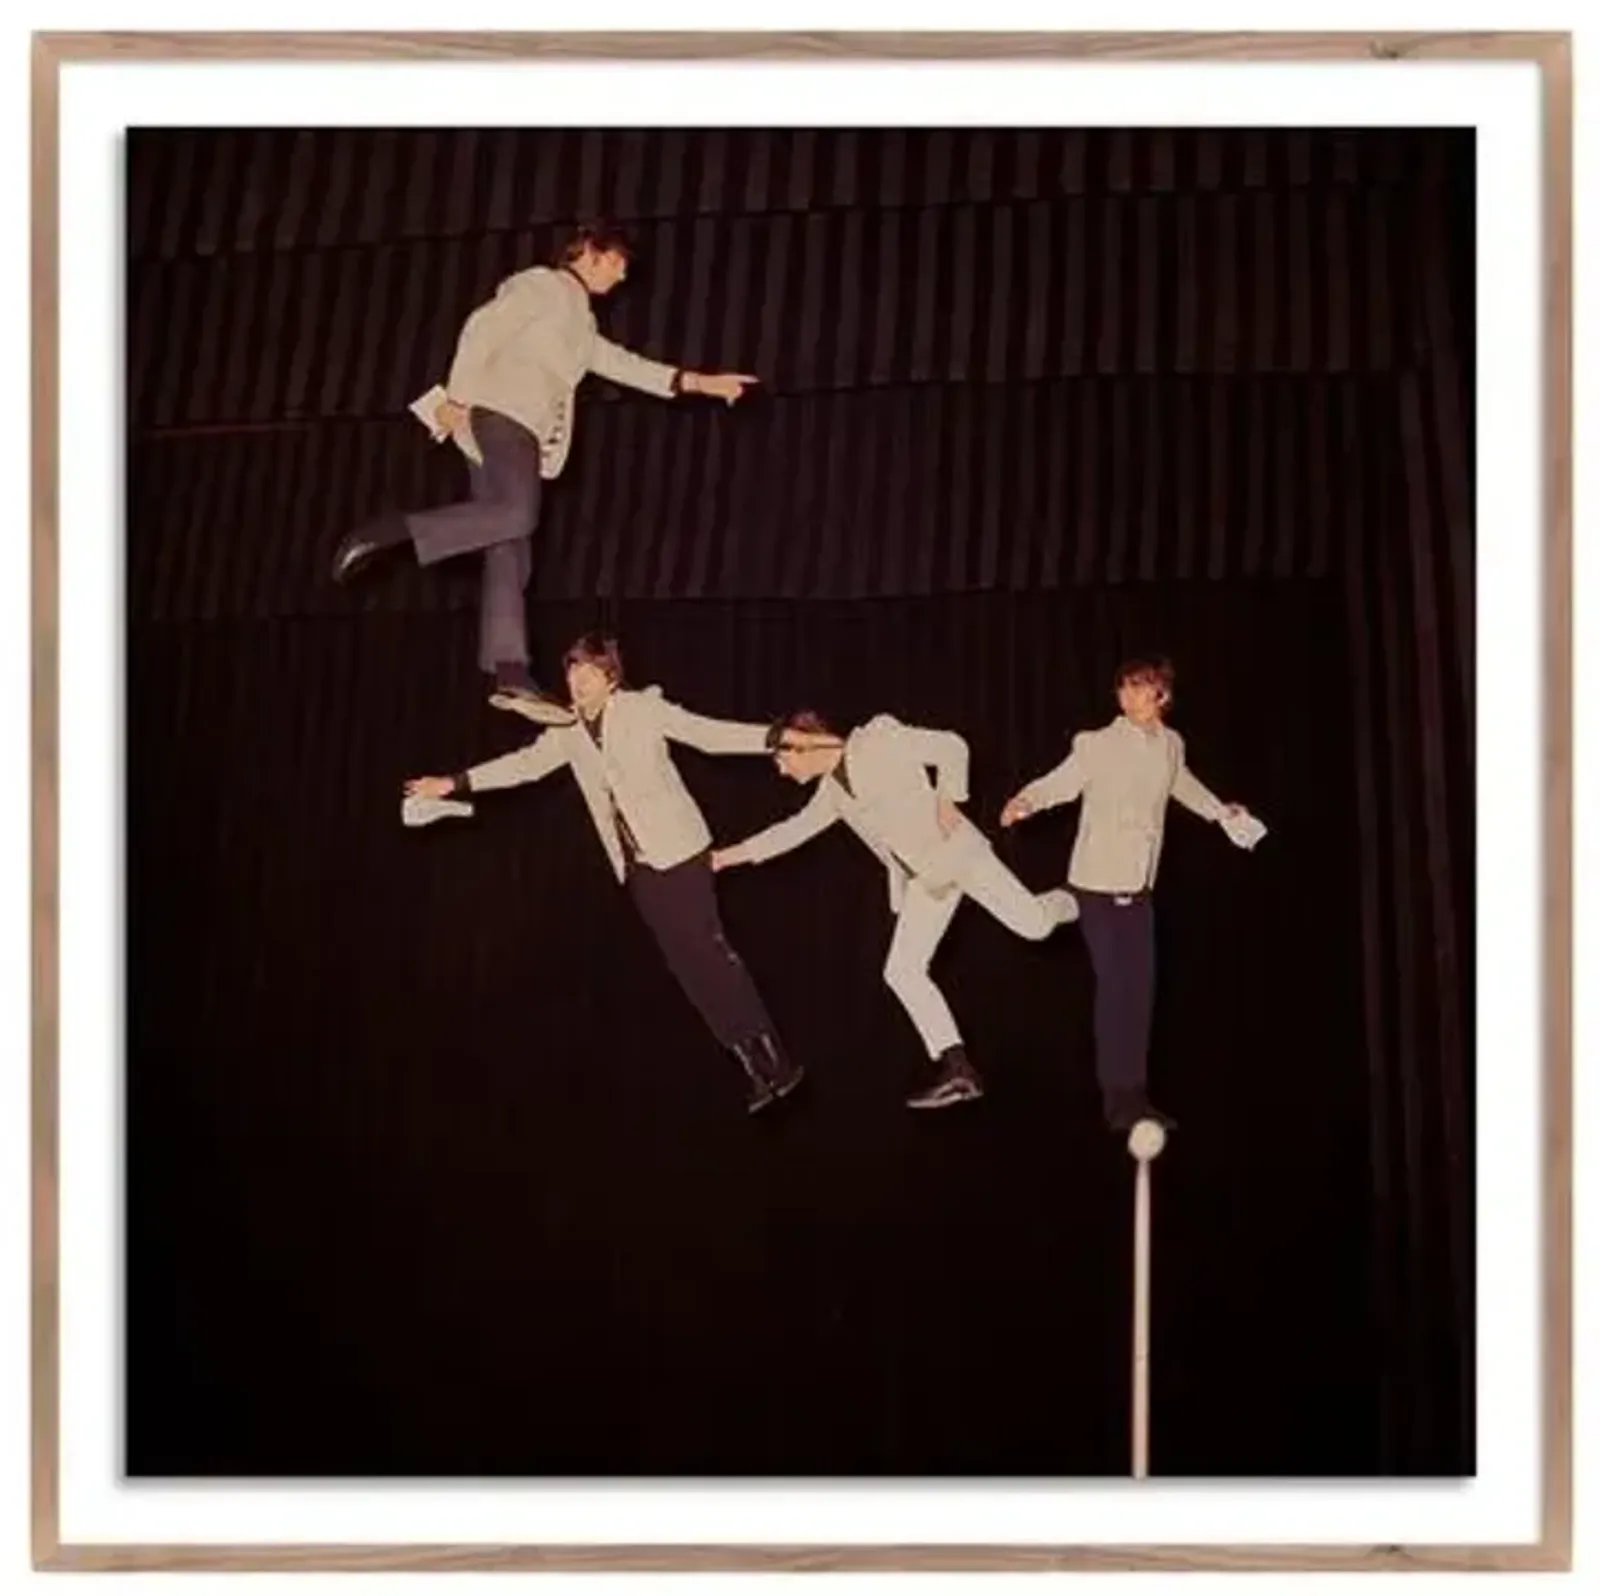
(875, 779)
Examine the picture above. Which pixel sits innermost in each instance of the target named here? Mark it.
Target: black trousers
(1120, 932)
(680, 907)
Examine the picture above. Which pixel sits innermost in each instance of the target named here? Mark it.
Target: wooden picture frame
(1552, 55)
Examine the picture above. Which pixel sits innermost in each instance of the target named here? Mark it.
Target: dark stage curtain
(923, 489)
(1031, 398)
(973, 293)
(274, 189)
(435, 1167)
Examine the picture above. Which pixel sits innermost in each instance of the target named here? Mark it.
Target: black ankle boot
(955, 1081)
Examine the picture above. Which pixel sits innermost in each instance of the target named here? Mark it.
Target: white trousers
(925, 914)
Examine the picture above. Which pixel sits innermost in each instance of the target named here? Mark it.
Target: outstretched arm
(1055, 787)
(786, 835)
(633, 371)
(532, 763)
(1193, 794)
(652, 376)
(708, 735)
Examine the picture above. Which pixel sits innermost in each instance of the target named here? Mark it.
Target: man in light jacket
(876, 781)
(510, 409)
(1125, 773)
(654, 835)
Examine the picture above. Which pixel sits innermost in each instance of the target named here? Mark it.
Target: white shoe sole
(538, 710)
(947, 1099)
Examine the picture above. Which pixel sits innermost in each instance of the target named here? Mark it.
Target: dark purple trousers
(1120, 932)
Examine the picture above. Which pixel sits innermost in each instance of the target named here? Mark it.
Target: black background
(431, 1169)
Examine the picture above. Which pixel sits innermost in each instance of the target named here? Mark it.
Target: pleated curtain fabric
(992, 361)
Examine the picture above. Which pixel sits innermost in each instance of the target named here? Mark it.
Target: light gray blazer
(525, 352)
(632, 771)
(1125, 777)
(892, 805)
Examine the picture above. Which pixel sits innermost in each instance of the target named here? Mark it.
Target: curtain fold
(1253, 282)
(917, 489)
(1003, 369)
(433, 1170)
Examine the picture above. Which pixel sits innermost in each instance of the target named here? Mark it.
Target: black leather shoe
(758, 1089)
(770, 1071)
(782, 1072)
(956, 1082)
(1125, 1108)
(353, 556)
(366, 543)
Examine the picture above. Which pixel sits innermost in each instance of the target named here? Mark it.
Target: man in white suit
(1125, 773)
(876, 781)
(511, 411)
(617, 747)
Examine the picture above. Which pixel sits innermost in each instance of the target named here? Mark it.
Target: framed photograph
(623, 624)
